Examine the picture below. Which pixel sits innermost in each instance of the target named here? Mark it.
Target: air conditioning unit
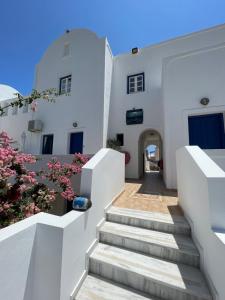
(35, 125)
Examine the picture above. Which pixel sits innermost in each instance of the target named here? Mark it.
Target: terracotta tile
(149, 194)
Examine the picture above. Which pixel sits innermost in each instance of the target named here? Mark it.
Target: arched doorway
(150, 152)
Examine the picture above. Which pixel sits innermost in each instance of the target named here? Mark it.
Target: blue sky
(27, 27)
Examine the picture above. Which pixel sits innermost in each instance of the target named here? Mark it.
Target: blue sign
(81, 203)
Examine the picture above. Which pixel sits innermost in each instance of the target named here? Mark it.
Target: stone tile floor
(149, 194)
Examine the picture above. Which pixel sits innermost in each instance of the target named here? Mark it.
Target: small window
(47, 144)
(135, 83)
(119, 138)
(134, 116)
(14, 110)
(66, 50)
(65, 85)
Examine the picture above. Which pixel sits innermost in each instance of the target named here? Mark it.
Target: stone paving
(149, 194)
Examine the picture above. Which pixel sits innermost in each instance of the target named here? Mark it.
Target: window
(135, 83)
(65, 85)
(14, 110)
(47, 144)
(66, 50)
(134, 116)
(119, 138)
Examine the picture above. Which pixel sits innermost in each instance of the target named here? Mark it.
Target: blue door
(76, 142)
(207, 131)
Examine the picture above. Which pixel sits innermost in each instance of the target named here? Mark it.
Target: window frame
(135, 76)
(66, 84)
(42, 147)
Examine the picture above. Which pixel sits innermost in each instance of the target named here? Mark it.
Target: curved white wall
(201, 197)
(45, 256)
(85, 104)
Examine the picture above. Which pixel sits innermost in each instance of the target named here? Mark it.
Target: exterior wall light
(75, 124)
(204, 101)
(135, 50)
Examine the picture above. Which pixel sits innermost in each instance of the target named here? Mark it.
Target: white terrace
(111, 252)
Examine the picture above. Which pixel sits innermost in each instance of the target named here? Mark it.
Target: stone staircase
(144, 255)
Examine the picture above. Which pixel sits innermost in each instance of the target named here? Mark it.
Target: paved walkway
(149, 194)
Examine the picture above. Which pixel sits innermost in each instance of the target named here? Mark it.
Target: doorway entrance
(207, 131)
(76, 142)
(150, 152)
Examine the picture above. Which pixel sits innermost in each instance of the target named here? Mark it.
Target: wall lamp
(204, 101)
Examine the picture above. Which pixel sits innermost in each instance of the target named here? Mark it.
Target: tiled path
(149, 194)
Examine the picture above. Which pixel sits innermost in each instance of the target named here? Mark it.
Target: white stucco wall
(201, 189)
(218, 156)
(45, 256)
(177, 73)
(107, 90)
(90, 64)
(150, 61)
(86, 64)
(186, 79)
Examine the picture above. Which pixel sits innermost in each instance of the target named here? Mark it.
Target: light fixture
(75, 124)
(204, 101)
(135, 50)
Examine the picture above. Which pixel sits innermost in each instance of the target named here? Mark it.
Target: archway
(150, 152)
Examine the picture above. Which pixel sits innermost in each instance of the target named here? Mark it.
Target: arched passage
(150, 151)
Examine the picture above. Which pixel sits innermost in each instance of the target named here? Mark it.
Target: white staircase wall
(44, 256)
(201, 189)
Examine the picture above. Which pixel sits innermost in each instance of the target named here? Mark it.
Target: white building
(159, 89)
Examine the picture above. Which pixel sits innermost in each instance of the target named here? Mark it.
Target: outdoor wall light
(75, 124)
(204, 101)
(135, 50)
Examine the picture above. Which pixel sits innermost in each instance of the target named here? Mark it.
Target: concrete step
(168, 246)
(148, 274)
(149, 220)
(95, 288)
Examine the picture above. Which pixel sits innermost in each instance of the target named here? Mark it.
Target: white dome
(7, 92)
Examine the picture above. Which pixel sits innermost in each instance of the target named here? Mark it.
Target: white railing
(45, 256)
(201, 190)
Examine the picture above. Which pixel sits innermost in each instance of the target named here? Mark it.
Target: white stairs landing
(144, 255)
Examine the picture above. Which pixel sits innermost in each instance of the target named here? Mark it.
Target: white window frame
(136, 83)
(65, 84)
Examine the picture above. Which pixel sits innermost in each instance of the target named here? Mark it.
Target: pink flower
(68, 194)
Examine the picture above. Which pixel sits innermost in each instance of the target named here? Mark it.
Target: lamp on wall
(204, 101)
(75, 124)
(135, 50)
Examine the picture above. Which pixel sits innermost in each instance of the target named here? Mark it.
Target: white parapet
(44, 256)
(201, 190)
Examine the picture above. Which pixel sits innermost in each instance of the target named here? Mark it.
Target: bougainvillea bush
(21, 192)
